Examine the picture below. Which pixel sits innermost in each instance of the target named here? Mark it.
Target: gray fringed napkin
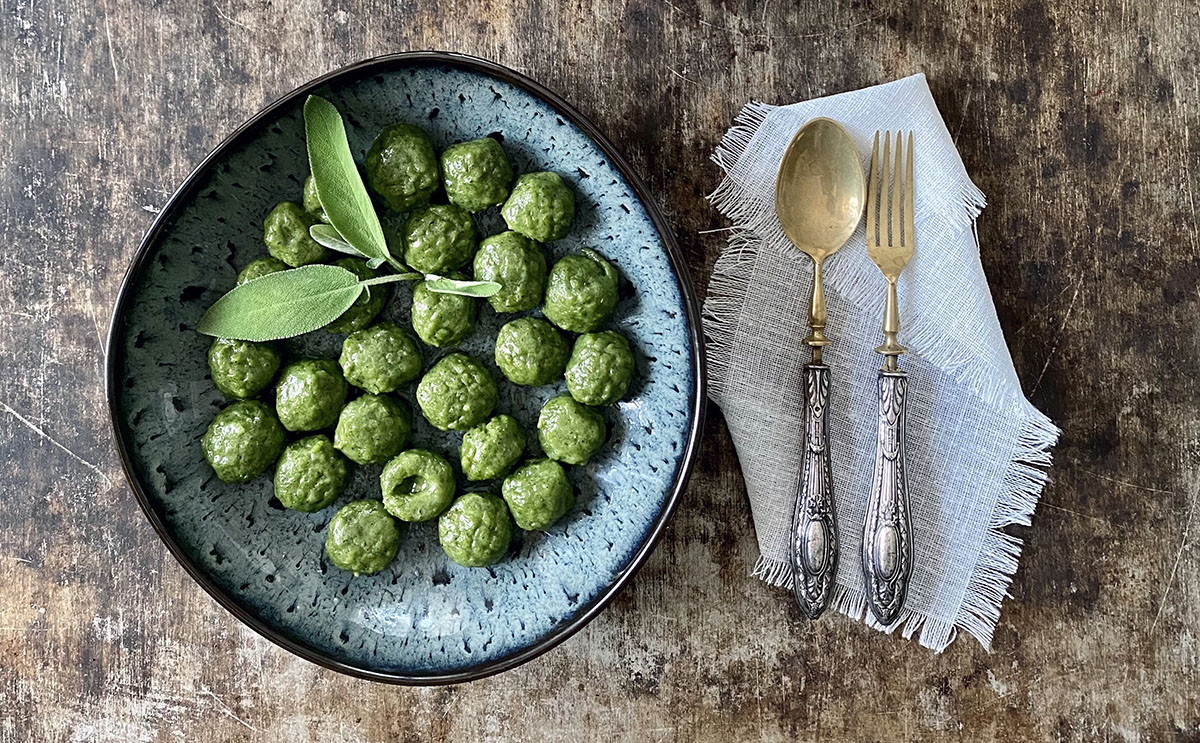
(976, 446)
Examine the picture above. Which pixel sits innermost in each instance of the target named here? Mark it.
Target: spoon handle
(887, 531)
(813, 547)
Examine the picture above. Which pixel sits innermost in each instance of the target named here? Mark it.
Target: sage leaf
(339, 186)
(326, 235)
(442, 285)
(283, 304)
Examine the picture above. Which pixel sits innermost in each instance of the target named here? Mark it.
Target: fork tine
(909, 231)
(885, 181)
(873, 196)
(896, 179)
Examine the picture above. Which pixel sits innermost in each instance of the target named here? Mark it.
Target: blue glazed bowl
(423, 620)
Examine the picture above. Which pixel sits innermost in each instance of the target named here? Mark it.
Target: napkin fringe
(726, 292)
(733, 145)
(776, 573)
(1023, 484)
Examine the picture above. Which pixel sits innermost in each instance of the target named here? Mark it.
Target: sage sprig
(353, 224)
(300, 300)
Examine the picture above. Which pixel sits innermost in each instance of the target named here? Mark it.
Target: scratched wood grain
(1076, 118)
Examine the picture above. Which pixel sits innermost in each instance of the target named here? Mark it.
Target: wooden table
(1079, 118)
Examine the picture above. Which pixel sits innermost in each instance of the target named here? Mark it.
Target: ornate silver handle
(813, 546)
(887, 532)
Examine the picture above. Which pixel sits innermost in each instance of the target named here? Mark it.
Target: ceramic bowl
(424, 619)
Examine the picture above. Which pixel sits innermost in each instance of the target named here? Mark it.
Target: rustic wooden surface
(1076, 118)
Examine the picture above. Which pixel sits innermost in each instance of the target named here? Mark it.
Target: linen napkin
(977, 448)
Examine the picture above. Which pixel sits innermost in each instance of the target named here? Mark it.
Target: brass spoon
(819, 198)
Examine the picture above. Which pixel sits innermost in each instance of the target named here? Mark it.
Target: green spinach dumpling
(538, 494)
(285, 231)
(310, 394)
(540, 207)
(310, 475)
(402, 166)
(438, 239)
(476, 530)
(600, 368)
(570, 431)
(530, 352)
(417, 485)
(477, 174)
(363, 538)
(242, 441)
(372, 429)
(490, 449)
(457, 393)
(581, 292)
(380, 359)
(441, 319)
(242, 369)
(518, 265)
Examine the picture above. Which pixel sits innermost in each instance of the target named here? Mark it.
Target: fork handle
(813, 547)
(887, 532)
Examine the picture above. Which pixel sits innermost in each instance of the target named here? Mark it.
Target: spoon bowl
(820, 190)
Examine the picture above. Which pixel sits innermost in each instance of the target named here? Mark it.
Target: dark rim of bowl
(114, 358)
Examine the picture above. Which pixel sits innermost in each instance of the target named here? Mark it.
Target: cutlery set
(820, 197)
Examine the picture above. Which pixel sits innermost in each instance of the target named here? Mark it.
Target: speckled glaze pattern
(423, 615)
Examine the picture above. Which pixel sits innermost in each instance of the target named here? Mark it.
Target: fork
(887, 532)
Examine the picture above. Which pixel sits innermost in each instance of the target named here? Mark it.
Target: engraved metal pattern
(813, 547)
(887, 532)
